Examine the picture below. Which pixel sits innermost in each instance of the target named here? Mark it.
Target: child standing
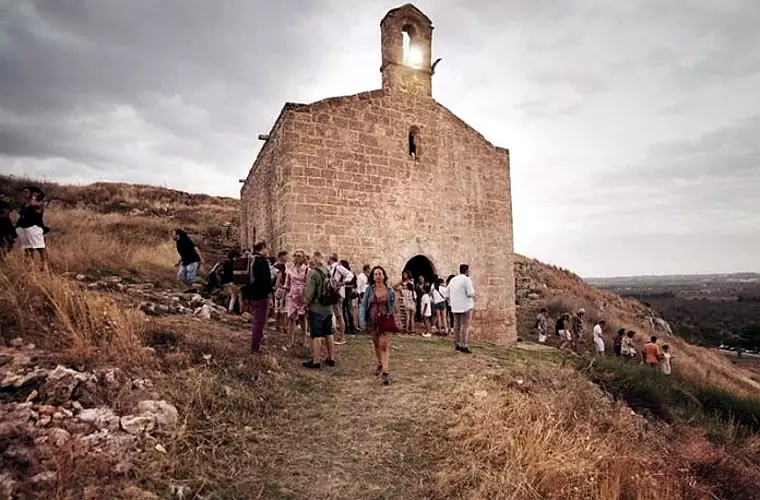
(426, 310)
(408, 306)
(667, 360)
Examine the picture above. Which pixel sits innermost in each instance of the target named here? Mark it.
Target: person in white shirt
(599, 337)
(426, 310)
(462, 297)
(340, 276)
(362, 282)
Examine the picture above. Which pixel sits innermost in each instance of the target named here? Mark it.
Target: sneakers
(343, 342)
(312, 365)
(427, 335)
(378, 370)
(330, 362)
(465, 350)
(385, 379)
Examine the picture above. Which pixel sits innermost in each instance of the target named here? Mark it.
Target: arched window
(412, 51)
(414, 134)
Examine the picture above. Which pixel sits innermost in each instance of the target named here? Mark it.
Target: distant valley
(711, 309)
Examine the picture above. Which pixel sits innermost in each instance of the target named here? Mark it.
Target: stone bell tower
(406, 40)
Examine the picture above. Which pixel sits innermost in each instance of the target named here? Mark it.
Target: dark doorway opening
(420, 265)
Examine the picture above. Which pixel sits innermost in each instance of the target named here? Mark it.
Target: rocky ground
(51, 414)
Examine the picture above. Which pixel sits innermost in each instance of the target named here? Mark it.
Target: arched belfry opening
(419, 265)
(406, 45)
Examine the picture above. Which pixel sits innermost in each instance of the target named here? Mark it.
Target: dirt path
(349, 437)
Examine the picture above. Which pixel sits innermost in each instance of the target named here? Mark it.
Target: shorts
(441, 306)
(320, 325)
(30, 237)
(279, 301)
(189, 274)
(566, 334)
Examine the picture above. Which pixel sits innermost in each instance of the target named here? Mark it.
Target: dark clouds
(631, 125)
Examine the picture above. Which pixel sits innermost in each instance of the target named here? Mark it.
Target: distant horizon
(41, 179)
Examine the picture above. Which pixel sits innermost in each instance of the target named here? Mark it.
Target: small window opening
(413, 142)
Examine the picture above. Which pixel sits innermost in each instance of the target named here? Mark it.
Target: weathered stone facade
(337, 176)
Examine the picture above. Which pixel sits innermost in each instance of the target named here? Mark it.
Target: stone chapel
(390, 177)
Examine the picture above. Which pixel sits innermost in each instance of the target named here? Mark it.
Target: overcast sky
(634, 127)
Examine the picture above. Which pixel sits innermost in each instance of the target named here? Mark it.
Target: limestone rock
(18, 342)
(102, 418)
(137, 424)
(164, 414)
(60, 385)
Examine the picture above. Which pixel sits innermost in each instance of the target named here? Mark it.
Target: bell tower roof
(407, 9)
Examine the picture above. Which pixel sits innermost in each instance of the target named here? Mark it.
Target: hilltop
(135, 390)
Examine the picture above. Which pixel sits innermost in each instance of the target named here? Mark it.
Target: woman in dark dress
(376, 313)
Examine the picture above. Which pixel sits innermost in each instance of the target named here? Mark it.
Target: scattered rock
(102, 418)
(137, 424)
(160, 448)
(47, 477)
(58, 437)
(32, 395)
(81, 277)
(18, 342)
(164, 414)
(181, 492)
(60, 385)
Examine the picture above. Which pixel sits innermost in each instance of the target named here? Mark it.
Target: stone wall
(344, 182)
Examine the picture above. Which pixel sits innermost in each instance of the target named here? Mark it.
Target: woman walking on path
(295, 302)
(376, 312)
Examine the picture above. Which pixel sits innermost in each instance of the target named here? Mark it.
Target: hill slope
(534, 421)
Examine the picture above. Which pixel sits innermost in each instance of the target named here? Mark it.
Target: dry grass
(87, 242)
(57, 314)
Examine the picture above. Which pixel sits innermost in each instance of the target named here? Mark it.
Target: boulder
(22, 381)
(102, 418)
(60, 384)
(137, 424)
(13, 422)
(164, 414)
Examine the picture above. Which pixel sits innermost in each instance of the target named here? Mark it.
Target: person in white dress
(599, 337)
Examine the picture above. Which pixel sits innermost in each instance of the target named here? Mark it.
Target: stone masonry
(337, 176)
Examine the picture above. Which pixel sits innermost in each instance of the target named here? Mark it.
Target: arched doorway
(419, 265)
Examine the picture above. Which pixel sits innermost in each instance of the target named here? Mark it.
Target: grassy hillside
(527, 422)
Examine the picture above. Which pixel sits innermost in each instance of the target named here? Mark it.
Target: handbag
(387, 324)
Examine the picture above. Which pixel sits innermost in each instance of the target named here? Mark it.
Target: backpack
(329, 294)
(242, 271)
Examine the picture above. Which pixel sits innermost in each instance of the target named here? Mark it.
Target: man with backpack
(339, 276)
(321, 298)
(257, 292)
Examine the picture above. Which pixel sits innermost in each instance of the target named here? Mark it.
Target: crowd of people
(29, 230)
(569, 329)
(318, 301)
